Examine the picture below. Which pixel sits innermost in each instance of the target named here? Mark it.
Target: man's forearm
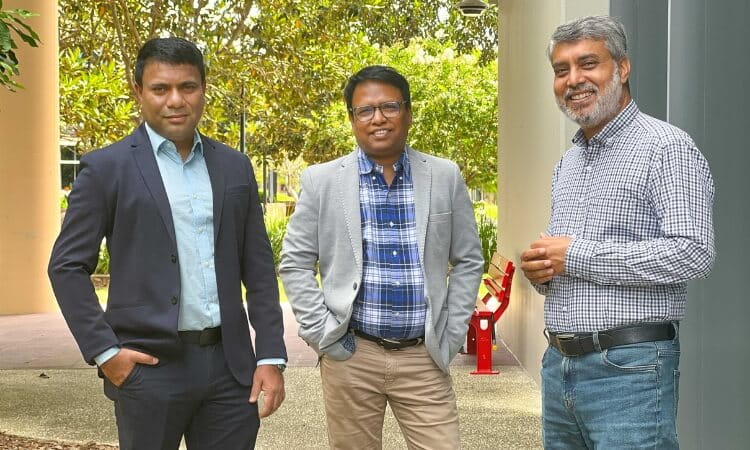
(655, 261)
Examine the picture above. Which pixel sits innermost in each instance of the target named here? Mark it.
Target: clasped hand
(545, 258)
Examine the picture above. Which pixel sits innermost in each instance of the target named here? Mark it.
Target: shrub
(102, 267)
(276, 228)
(487, 228)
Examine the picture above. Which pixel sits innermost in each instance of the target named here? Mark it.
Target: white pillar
(30, 168)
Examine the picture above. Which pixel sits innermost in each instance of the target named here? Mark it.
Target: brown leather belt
(208, 336)
(390, 344)
(578, 344)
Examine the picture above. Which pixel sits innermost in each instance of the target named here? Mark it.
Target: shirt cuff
(578, 257)
(542, 289)
(106, 355)
(271, 361)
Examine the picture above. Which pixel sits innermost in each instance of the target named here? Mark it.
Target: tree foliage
(13, 20)
(283, 62)
(454, 106)
(94, 99)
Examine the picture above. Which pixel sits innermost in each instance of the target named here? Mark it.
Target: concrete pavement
(47, 391)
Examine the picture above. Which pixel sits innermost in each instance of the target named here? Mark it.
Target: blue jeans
(624, 397)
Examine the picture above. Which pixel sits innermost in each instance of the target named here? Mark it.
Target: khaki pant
(420, 394)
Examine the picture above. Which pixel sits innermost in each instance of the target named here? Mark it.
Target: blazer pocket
(440, 217)
(240, 189)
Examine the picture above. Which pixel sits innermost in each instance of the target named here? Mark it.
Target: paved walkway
(47, 391)
(43, 341)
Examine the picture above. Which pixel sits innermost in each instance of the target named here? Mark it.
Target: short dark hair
(383, 74)
(171, 50)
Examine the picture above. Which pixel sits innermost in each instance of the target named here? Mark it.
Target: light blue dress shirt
(188, 188)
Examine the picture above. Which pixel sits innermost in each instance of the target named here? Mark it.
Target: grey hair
(600, 28)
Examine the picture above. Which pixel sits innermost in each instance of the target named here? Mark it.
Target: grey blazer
(325, 230)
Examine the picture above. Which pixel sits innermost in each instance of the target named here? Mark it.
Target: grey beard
(606, 106)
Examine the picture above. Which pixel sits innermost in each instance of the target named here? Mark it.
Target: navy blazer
(119, 194)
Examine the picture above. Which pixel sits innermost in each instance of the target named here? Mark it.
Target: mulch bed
(21, 443)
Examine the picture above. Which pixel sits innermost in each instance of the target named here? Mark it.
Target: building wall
(708, 96)
(30, 169)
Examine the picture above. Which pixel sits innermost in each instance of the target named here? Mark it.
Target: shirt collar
(367, 166)
(157, 141)
(621, 121)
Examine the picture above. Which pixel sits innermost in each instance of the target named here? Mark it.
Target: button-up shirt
(391, 301)
(191, 202)
(637, 199)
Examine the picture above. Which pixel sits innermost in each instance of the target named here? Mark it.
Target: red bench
(480, 340)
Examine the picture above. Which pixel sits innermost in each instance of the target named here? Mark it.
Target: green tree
(454, 102)
(13, 20)
(95, 100)
(290, 58)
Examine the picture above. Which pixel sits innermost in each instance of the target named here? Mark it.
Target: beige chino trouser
(421, 397)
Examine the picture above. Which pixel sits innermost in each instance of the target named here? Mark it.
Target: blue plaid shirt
(390, 303)
(637, 199)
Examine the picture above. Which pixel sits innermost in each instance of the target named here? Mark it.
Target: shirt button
(588, 168)
(174, 258)
(391, 224)
(395, 253)
(397, 283)
(174, 299)
(395, 314)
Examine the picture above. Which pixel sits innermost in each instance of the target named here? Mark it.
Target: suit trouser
(195, 395)
(420, 395)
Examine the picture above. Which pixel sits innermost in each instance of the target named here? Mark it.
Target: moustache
(583, 89)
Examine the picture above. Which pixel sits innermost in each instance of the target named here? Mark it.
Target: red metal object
(481, 336)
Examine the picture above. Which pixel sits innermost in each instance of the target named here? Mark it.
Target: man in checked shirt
(384, 224)
(630, 225)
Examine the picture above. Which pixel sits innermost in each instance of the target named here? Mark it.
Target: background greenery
(284, 63)
(13, 26)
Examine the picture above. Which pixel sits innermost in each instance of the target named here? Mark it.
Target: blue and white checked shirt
(391, 302)
(637, 199)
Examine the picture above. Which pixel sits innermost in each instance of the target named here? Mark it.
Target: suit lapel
(217, 181)
(146, 162)
(421, 175)
(347, 179)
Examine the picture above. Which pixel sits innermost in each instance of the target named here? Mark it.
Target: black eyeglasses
(388, 109)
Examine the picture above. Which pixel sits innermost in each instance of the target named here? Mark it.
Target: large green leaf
(5, 41)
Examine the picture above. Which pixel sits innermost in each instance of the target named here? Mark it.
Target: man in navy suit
(184, 228)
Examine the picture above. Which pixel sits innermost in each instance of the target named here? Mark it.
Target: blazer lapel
(421, 175)
(217, 181)
(348, 188)
(146, 162)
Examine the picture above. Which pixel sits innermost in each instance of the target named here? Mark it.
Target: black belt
(577, 344)
(209, 336)
(390, 344)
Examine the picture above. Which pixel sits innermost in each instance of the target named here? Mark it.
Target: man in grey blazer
(393, 234)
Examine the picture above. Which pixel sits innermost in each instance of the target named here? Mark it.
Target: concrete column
(30, 169)
(533, 136)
